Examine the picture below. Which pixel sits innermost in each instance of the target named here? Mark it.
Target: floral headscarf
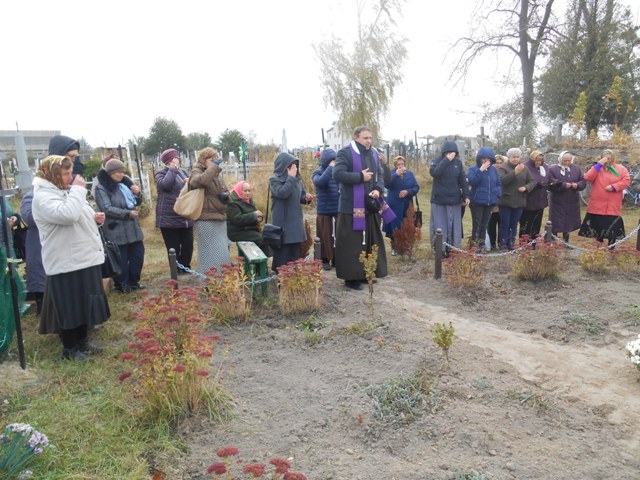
(51, 169)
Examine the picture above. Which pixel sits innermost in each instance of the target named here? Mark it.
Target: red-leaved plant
(230, 293)
(277, 469)
(300, 285)
(170, 358)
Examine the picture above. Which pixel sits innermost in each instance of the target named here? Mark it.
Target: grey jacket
(119, 226)
(287, 193)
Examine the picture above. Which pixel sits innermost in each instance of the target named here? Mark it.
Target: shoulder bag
(271, 234)
(189, 203)
(417, 218)
(112, 261)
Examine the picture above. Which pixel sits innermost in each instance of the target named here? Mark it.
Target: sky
(105, 70)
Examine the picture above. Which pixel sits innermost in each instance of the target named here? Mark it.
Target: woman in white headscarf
(565, 181)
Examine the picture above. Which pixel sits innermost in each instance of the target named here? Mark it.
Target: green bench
(255, 264)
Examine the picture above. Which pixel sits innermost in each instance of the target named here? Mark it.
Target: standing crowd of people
(359, 196)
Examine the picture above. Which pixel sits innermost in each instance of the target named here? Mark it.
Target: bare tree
(359, 85)
(522, 27)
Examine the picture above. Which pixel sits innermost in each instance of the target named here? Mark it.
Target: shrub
(170, 356)
(464, 269)
(596, 261)
(443, 337)
(626, 259)
(538, 261)
(300, 285)
(405, 238)
(228, 292)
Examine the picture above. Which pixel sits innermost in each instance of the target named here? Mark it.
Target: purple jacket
(169, 182)
(537, 198)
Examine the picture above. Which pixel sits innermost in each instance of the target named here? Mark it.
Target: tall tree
(523, 28)
(230, 141)
(163, 134)
(595, 67)
(359, 84)
(198, 140)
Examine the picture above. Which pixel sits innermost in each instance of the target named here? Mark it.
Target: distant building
(336, 139)
(36, 141)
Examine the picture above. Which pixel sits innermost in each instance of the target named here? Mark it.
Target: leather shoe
(74, 354)
(353, 284)
(87, 346)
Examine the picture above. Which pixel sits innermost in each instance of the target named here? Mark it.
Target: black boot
(74, 354)
(87, 346)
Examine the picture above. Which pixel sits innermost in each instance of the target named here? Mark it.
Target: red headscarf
(238, 189)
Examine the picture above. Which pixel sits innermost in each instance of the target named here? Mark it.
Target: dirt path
(588, 372)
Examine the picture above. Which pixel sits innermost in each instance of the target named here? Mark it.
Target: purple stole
(359, 212)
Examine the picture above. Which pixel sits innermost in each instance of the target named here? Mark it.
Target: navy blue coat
(33, 268)
(169, 182)
(486, 186)
(450, 185)
(397, 204)
(327, 190)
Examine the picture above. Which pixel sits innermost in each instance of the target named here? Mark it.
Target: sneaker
(353, 284)
(326, 266)
(393, 253)
(137, 286)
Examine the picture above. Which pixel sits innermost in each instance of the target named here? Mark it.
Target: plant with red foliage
(300, 285)
(536, 261)
(405, 238)
(170, 356)
(279, 468)
(230, 294)
(464, 270)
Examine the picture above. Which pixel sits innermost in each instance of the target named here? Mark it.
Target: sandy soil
(530, 392)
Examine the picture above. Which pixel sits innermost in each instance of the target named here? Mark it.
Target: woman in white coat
(72, 255)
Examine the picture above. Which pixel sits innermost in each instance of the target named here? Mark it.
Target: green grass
(91, 420)
(590, 324)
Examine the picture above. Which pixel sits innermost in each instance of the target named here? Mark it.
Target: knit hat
(169, 155)
(514, 152)
(114, 165)
(449, 146)
(486, 152)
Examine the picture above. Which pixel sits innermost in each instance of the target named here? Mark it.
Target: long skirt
(213, 245)
(289, 252)
(325, 230)
(73, 300)
(350, 242)
(600, 227)
(449, 219)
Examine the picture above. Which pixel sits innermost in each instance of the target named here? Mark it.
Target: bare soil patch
(538, 387)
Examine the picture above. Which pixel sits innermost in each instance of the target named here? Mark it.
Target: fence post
(317, 252)
(438, 254)
(173, 266)
(638, 238)
(548, 236)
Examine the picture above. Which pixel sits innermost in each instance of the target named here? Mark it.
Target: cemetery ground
(537, 385)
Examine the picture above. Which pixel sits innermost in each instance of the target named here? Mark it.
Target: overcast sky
(105, 70)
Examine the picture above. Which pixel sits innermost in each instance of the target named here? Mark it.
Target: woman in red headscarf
(243, 218)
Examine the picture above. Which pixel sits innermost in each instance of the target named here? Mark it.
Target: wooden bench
(255, 264)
